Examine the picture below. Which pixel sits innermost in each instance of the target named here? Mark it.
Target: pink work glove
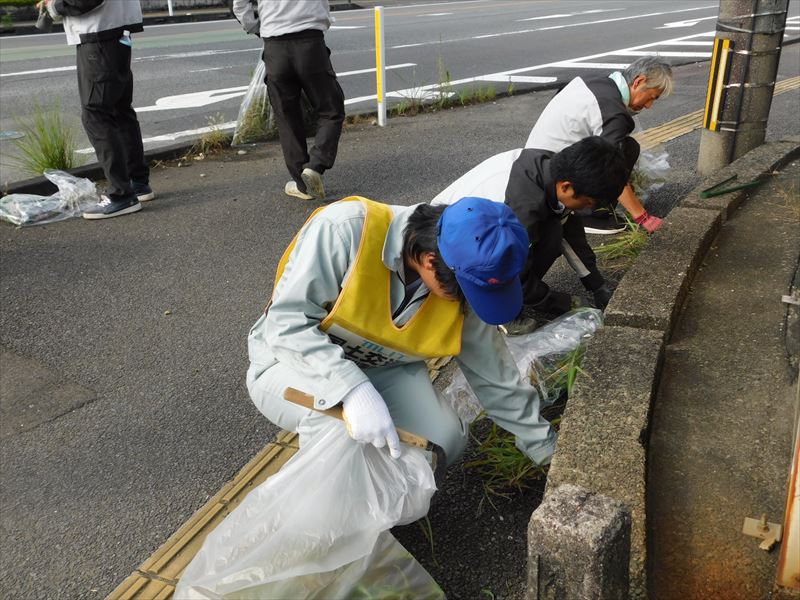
(649, 222)
(368, 420)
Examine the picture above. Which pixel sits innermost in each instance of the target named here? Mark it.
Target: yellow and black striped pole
(717, 79)
(380, 66)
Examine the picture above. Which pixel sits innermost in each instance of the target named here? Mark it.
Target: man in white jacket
(604, 106)
(297, 60)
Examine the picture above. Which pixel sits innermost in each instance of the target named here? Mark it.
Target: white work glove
(368, 420)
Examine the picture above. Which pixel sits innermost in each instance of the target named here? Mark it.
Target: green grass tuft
(49, 141)
(620, 253)
(503, 468)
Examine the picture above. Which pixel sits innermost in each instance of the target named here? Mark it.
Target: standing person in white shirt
(297, 60)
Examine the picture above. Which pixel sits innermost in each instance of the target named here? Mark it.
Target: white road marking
(583, 12)
(591, 65)
(347, 27)
(37, 71)
(655, 14)
(194, 54)
(547, 17)
(552, 27)
(171, 137)
(206, 97)
(662, 53)
(706, 43)
(686, 23)
(214, 69)
(431, 90)
(517, 79)
(435, 15)
(409, 45)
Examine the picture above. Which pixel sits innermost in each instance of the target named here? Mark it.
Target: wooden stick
(307, 401)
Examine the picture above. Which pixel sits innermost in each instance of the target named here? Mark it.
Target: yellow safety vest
(361, 319)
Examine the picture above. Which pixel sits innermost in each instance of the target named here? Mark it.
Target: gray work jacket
(289, 332)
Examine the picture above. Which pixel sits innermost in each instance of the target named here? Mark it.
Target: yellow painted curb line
(156, 577)
(688, 123)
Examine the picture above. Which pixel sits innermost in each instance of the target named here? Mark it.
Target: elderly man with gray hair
(604, 106)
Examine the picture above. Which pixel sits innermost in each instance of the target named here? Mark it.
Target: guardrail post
(169, 7)
(380, 66)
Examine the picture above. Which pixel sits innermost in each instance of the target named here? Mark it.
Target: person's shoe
(602, 225)
(313, 181)
(292, 190)
(143, 191)
(519, 326)
(107, 208)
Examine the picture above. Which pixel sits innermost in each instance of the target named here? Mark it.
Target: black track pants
(301, 62)
(105, 85)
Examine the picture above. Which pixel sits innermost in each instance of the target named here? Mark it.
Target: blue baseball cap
(486, 246)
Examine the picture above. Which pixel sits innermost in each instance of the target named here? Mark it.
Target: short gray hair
(657, 72)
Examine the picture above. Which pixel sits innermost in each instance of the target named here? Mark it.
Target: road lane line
(534, 30)
(589, 65)
(705, 43)
(517, 79)
(575, 14)
(662, 53)
(205, 97)
(37, 71)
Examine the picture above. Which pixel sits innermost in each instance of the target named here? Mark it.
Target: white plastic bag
(651, 170)
(255, 122)
(319, 528)
(73, 196)
(536, 355)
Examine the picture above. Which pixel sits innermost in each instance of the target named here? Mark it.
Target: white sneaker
(291, 189)
(313, 181)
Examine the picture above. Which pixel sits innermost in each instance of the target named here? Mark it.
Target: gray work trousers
(412, 401)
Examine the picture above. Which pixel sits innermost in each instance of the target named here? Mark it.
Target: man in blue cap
(366, 292)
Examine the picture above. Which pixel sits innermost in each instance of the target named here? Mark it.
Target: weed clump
(621, 253)
(49, 142)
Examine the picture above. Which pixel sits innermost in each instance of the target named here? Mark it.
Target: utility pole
(743, 71)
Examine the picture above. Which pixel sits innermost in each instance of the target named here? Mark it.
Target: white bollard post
(380, 66)
(169, 7)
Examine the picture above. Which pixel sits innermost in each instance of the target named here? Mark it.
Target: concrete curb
(603, 441)
(43, 187)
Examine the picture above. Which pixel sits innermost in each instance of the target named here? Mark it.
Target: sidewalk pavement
(723, 421)
(140, 324)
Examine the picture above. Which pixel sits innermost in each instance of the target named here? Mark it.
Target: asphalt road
(190, 75)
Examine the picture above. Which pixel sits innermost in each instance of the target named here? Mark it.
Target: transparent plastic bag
(539, 356)
(73, 196)
(319, 528)
(255, 122)
(651, 170)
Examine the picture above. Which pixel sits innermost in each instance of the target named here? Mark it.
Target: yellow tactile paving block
(688, 123)
(157, 576)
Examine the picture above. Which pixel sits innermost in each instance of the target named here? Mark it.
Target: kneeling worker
(544, 189)
(366, 292)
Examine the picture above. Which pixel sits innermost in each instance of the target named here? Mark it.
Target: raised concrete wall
(602, 446)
